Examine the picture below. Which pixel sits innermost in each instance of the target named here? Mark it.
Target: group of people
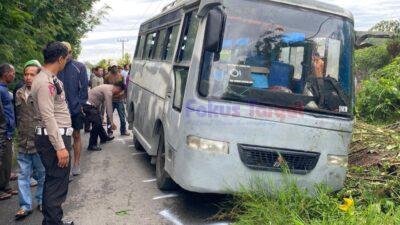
(48, 109)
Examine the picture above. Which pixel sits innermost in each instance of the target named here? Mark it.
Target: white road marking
(149, 181)
(131, 146)
(171, 217)
(121, 140)
(165, 196)
(138, 153)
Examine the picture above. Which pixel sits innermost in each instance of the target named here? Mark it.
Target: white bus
(225, 91)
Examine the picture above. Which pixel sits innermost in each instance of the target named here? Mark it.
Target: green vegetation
(368, 60)
(291, 205)
(379, 98)
(26, 26)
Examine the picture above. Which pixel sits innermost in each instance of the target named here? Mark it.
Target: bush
(379, 97)
(393, 47)
(370, 59)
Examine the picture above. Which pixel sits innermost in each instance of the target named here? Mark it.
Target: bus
(222, 92)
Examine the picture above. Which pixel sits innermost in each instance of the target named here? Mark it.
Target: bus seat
(259, 76)
(281, 74)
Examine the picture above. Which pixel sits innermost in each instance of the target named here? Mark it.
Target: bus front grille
(271, 159)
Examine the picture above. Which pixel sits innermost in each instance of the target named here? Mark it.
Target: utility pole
(123, 41)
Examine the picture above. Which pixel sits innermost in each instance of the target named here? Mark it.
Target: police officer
(53, 135)
(98, 96)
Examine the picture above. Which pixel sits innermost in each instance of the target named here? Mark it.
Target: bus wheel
(164, 181)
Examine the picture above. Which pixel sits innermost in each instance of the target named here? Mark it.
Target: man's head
(31, 69)
(98, 71)
(118, 88)
(55, 54)
(126, 67)
(69, 47)
(7, 73)
(114, 70)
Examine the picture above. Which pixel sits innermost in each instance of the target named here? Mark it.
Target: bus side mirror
(214, 34)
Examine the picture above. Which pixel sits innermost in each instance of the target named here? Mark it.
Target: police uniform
(53, 134)
(98, 96)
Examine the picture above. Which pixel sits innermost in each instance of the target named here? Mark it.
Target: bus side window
(160, 44)
(139, 47)
(171, 37)
(150, 44)
(188, 37)
(180, 74)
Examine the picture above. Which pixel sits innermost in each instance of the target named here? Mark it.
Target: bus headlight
(338, 160)
(201, 144)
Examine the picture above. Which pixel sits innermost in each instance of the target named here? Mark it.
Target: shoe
(40, 207)
(13, 176)
(68, 222)
(21, 214)
(33, 182)
(107, 139)
(126, 134)
(94, 148)
(76, 171)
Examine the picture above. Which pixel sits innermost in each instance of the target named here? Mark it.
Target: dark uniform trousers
(93, 115)
(56, 183)
(5, 164)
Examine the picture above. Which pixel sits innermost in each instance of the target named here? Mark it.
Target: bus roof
(308, 4)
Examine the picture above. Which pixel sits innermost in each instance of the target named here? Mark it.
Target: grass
(291, 205)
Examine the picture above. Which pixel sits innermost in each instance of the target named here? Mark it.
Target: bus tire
(164, 181)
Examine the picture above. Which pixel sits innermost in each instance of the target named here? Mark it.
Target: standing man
(7, 75)
(53, 135)
(28, 158)
(114, 77)
(97, 79)
(75, 79)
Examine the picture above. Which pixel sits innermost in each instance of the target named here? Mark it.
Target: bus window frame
(183, 65)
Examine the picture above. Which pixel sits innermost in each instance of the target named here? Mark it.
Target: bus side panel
(152, 86)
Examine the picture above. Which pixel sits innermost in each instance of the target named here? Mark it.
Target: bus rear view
(269, 86)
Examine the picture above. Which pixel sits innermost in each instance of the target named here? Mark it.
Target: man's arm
(46, 110)
(109, 107)
(84, 83)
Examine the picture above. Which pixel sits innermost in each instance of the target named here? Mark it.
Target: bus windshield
(282, 56)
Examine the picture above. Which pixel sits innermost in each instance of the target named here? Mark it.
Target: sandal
(22, 214)
(4, 196)
(11, 191)
(14, 176)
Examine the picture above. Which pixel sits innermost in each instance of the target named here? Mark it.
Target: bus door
(180, 72)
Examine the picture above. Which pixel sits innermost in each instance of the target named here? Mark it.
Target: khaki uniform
(24, 110)
(96, 81)
(52, 109)
(53, 114)
(102, 95)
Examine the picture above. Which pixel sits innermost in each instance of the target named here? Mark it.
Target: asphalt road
(117, 186)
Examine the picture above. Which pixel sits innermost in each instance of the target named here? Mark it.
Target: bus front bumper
(205, 172)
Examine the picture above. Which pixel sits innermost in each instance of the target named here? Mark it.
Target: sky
(124, 18)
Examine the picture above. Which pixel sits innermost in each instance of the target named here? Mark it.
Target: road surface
(117, 186)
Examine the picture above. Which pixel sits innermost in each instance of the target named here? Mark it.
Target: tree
(392, 26)
(27, 25)
(126, 60)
